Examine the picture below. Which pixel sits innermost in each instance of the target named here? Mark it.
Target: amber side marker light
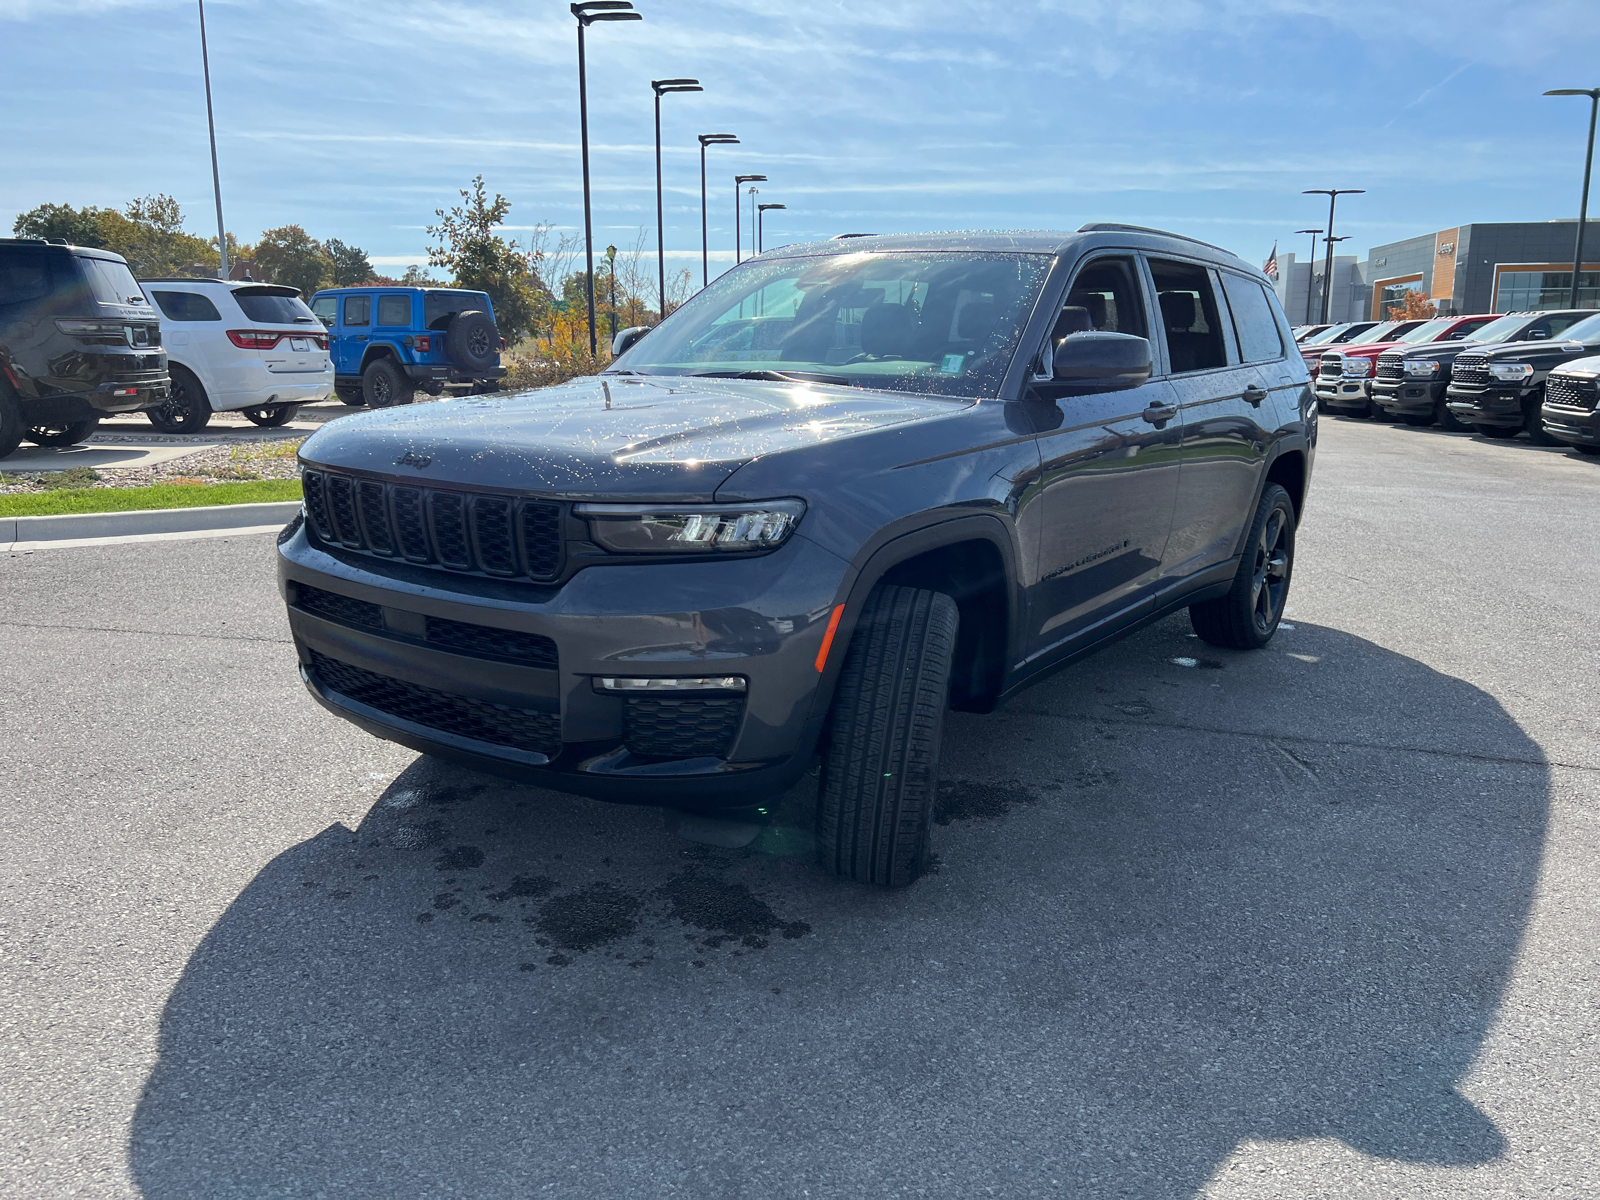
(827, 638)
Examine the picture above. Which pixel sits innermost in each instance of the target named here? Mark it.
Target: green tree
(350, 264)
(415, 276)
(292, 256)
(80, 226)
(478, 258)
(148, 233)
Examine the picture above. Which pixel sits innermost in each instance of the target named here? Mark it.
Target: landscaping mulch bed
(219, 463)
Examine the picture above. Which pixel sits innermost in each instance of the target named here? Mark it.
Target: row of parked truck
(1499, 374)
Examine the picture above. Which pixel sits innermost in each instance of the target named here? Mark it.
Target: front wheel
(272, 417)
(880, 772)
(69, 434)
(12, 427)
(1500, 433)
(1248, 616)
(1417, 420)
(1448, 421)
(186, 409)
(351, 396)
(1535, 425)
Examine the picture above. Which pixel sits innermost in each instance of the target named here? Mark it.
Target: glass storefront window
(1538, 291)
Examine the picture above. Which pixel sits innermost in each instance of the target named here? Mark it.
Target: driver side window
(1105, 297)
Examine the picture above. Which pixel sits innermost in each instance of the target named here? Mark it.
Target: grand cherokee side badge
(412, 459)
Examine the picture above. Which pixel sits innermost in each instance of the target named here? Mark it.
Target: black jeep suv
(1414, 381)
(844, 485)
(1498, 390)
(78, 341)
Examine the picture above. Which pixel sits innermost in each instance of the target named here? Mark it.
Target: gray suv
(844, 487)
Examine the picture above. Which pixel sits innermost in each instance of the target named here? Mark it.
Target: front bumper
(1406, 397)
(1479, 405)
(392, 676)
(1340, 393)
(1575, 426)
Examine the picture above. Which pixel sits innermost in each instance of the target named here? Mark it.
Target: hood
(656, 437)
(1530, 351)
(1440, 349)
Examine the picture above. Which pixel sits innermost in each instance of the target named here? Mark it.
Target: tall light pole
(661, 87)
(1311, 268)
(611, 271)
(1333, 195)
(708, 139)
(1588, 161)
(761, 224)
(738, 182)
(211, 125)
(588, 12)
(753, 192)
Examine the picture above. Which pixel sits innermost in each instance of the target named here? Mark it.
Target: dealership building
(1498, 267)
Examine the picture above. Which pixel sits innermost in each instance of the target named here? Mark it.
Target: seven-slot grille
(1471, 369)
(503, 536)
(1391, 367)
(1571, 393)
(1331, 367)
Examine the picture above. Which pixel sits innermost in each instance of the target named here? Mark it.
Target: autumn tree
(479, 258)
(292, 256)
(1412, 306)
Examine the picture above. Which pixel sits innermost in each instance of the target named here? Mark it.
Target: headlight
(1358, 366)
(1511, 372)
(692, 528)
(1421, 368)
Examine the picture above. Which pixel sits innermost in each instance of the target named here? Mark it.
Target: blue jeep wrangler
(386, 342)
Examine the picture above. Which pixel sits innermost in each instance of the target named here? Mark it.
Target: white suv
(253, 348)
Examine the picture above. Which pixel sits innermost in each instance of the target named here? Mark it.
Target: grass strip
(160, 495)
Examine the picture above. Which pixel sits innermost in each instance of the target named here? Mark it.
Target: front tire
(186, 409)
(62, 435)
(1418, 420)
(12, 427)
(1248, 616)
(271, 418)
(1448, 421)
(1500, 433)
(383, 384)
(1535, 425)
(880, 772)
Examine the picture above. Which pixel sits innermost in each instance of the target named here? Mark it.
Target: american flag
(1270, 267)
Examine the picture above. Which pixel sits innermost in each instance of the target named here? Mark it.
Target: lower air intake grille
(507, 537)
(341, 610)
(496, 724)
(682, 726)
(485, 641)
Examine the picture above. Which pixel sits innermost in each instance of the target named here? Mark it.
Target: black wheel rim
(478, 343)
(176, 409)
(1270, 583)
(380, 390)
(45, 431)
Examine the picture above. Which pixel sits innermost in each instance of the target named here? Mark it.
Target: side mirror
(1085, 363)
(1538, 335)
(626, 338)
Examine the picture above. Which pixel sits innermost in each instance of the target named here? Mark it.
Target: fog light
(704, 683)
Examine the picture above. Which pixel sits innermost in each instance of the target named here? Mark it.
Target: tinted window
(1107, 290)
(439, 307)
(325, 309)
(358, 310)
(273, 308)
(1189, 316)
(1562, 326)
(1259, 340)
(24, 275)
(394, 310)
(112, 282)
(186, 306)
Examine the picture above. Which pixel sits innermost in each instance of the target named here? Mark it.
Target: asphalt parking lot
(1315, 921)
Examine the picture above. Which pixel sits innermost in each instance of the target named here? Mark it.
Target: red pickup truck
(1344, 376)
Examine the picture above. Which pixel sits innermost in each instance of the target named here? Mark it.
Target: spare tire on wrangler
(472, 341)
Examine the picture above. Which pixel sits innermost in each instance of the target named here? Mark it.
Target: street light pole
(211, 125)
(761, 224)
(1588, 161)
(611, 271)
(587, 12)
(738, 182)
(660, 87)
(1311, 268)
(1333, 195)
(708, 139)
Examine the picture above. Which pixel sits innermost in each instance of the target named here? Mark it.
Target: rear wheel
(1500, 433)
(69, 434)
(1248, 616)
(271, 418)
(880, 770)
(186, 409)
(384, 384)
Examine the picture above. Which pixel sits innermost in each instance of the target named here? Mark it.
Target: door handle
(1255, 394)
(1159, 414)
(361, 337)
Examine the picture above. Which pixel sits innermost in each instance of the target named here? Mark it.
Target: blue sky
(357, 121)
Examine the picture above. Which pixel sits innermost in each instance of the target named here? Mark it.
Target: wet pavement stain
(969, 800)
(462, 858)
(531, 886)
(596, 915)
(727, 911)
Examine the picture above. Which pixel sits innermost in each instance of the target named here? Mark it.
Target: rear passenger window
(24, 276)
(186, 306)
(1189, 316)
(1253, 319)
(394, 310)
(358, 310)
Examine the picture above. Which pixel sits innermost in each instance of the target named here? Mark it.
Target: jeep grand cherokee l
(841, 486)
(1499, 390)
(78, 342)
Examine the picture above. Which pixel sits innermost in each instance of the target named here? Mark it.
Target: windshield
(1326, 336)
(1497, 331)
(1378, 333)
(1586, 330)
(1355, 333)
(941, 323)
(1427, 331)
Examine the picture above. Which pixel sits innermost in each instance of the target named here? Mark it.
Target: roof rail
(839, 237)
(23, 242)
(1112, 227)
(184, 279)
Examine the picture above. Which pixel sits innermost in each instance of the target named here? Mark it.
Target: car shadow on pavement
(1184, 898)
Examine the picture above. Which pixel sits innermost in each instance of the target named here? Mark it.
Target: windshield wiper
(777, 376)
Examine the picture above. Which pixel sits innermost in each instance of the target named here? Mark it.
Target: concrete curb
(77, 526)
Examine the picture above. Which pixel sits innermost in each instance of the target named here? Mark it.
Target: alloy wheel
(1270, 583)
